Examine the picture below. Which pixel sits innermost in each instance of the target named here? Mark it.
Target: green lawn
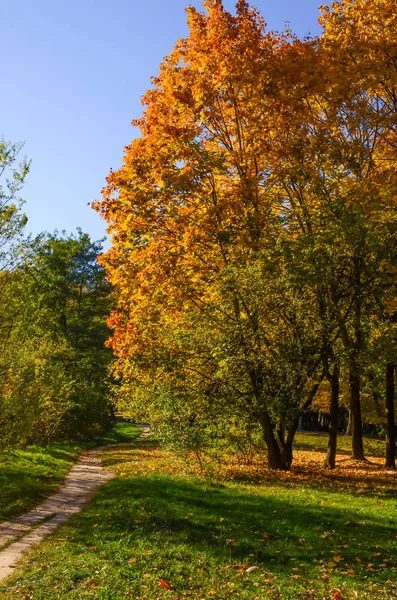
(311, 536)
(27, 476)
(319, 442)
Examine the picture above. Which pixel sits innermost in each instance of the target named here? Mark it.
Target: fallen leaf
(326, 534)
(164, 584)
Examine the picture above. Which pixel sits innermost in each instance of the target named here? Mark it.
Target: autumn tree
(359, 39)
(248, 226)
(196, 200)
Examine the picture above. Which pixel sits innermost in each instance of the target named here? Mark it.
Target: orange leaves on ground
(307, 468)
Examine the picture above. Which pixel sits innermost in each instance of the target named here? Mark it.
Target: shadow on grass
(302, 445)
(318, 442)
(28, 475)
(276, 531)
(200, 537)
(364, 481)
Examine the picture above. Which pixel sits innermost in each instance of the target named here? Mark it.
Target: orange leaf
(164, 584)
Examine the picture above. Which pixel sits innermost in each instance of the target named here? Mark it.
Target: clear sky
(72, 76)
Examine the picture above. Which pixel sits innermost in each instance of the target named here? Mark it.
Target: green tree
(55, 381)
(12, 219)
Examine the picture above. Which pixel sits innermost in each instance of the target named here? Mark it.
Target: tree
(195, 207)
(248, 223)
(54, 374)
(360, 43)
(12, 220)
(70, 284)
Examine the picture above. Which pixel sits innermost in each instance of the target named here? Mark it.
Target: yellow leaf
(337, 558)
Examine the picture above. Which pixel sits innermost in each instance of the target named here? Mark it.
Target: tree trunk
(333, 422)
(390, 424)
(274, 458)
(287, 448)
(355, 411)
(349, 424)
(281, 434)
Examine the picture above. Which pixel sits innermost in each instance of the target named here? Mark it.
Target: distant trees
(55, 368)
(54, 301)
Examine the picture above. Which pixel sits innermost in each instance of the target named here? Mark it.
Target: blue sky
(73, 74)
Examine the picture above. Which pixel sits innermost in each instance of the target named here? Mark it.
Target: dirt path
(83, 480)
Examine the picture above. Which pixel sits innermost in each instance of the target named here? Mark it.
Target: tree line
(54, 301)
(254, 231)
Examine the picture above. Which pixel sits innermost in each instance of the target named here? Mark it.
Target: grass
(312, 534)
(319, 442)
(29, 475)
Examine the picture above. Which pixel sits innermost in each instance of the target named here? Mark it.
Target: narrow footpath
(83, 480)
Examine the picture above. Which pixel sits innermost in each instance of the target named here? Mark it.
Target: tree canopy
(253, 222)
(54, 300)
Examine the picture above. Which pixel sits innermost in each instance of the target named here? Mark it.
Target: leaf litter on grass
(202, 538)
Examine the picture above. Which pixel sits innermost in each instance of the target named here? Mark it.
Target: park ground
(163, 530)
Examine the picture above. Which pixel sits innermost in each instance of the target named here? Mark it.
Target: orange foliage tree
(246, 227)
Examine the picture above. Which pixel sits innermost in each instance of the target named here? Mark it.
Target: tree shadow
(231, 526)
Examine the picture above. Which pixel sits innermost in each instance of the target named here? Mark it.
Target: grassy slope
(312, 536)
(27, 476)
